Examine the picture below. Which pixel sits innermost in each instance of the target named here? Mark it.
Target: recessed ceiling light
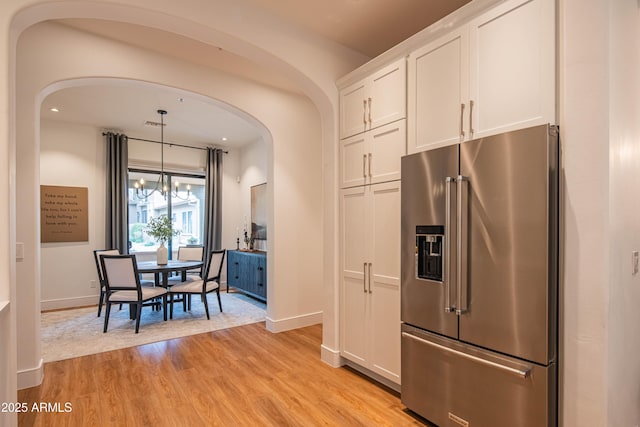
(54, 109)
(224, 138)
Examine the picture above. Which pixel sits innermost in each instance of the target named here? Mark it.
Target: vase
(162, 255)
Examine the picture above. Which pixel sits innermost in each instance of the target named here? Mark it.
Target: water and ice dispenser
(429, 252)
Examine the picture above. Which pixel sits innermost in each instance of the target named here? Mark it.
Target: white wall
(599, 118)
(253, 172)
(623, 363)
(73, 155)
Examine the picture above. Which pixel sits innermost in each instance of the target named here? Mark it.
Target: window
(186, 210)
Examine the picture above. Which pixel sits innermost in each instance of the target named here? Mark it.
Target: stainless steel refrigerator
(479, 282)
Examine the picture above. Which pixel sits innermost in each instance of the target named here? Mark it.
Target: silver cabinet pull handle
(462, 229)
(364, 278)
(364, 166)
(522, 373)
(461, 122)
(447, 247)
(369, 111)
(471, 130)
(370, 268)
(369, 165)
(364, 112)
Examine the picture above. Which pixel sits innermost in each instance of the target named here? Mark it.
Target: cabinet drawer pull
(369, 111)
(369, 165)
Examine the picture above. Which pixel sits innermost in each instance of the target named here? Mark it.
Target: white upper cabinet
(492, 75)
(512, 61)
(374, 101)
(438, 91)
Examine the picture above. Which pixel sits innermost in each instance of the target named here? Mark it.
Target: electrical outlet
(634, 263)
(92, 284)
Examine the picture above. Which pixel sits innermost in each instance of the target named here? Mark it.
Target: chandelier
(162, 185)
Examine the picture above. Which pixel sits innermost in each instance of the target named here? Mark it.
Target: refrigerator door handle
(522, 373)
(447, 247)
(462, 234)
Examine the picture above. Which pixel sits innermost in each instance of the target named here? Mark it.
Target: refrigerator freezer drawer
(454, 384)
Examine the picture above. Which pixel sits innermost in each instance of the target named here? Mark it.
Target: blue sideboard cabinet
(247, 272)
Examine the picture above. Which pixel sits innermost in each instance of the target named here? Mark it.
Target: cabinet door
(512, 67)
(353, 109)
(354, 293)
(386, 145)
(353, 160)
(384, 279)
(438, 92)
(261, 286)
(233, 269)
(386, 100)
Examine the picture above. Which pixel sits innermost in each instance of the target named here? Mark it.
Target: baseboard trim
(330, 357)
(282, 325)
(55, 304)
(374, 376)
(31, 377)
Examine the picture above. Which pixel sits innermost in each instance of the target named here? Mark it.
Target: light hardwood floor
(244, 376)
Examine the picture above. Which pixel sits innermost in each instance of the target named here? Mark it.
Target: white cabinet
(374, 101)
(374, 156)
(370, 277)
(494, 74)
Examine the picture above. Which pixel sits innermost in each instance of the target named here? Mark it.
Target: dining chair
(96, 255)
(209, 282)
(122, 283)
(189, 253)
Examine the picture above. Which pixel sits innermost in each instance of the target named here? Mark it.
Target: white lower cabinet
(370, 279)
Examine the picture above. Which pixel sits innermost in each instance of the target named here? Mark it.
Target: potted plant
(160, 228)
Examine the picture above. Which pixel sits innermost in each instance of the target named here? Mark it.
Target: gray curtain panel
(116, 224)
(213, 207)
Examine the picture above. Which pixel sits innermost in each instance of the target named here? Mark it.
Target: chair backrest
(96, 255)
(214, 267)
(120, 272)
(190, 253)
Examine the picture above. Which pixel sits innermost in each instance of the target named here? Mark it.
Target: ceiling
(367, 26)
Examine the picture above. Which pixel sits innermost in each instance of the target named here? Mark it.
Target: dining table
(161, 272)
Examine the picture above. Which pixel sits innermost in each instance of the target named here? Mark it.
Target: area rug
(78, 332)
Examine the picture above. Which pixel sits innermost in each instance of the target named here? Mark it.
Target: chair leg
(206, 305)
(101, 302)
(171, 308)
(219, 302)
(138, 315)
(107, 310)
(164, 306)
(184, 303)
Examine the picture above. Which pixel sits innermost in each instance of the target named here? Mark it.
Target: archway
(294, 180)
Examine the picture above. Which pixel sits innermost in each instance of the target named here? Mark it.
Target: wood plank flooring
(244, 376)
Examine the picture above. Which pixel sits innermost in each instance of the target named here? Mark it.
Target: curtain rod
(169, 143)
